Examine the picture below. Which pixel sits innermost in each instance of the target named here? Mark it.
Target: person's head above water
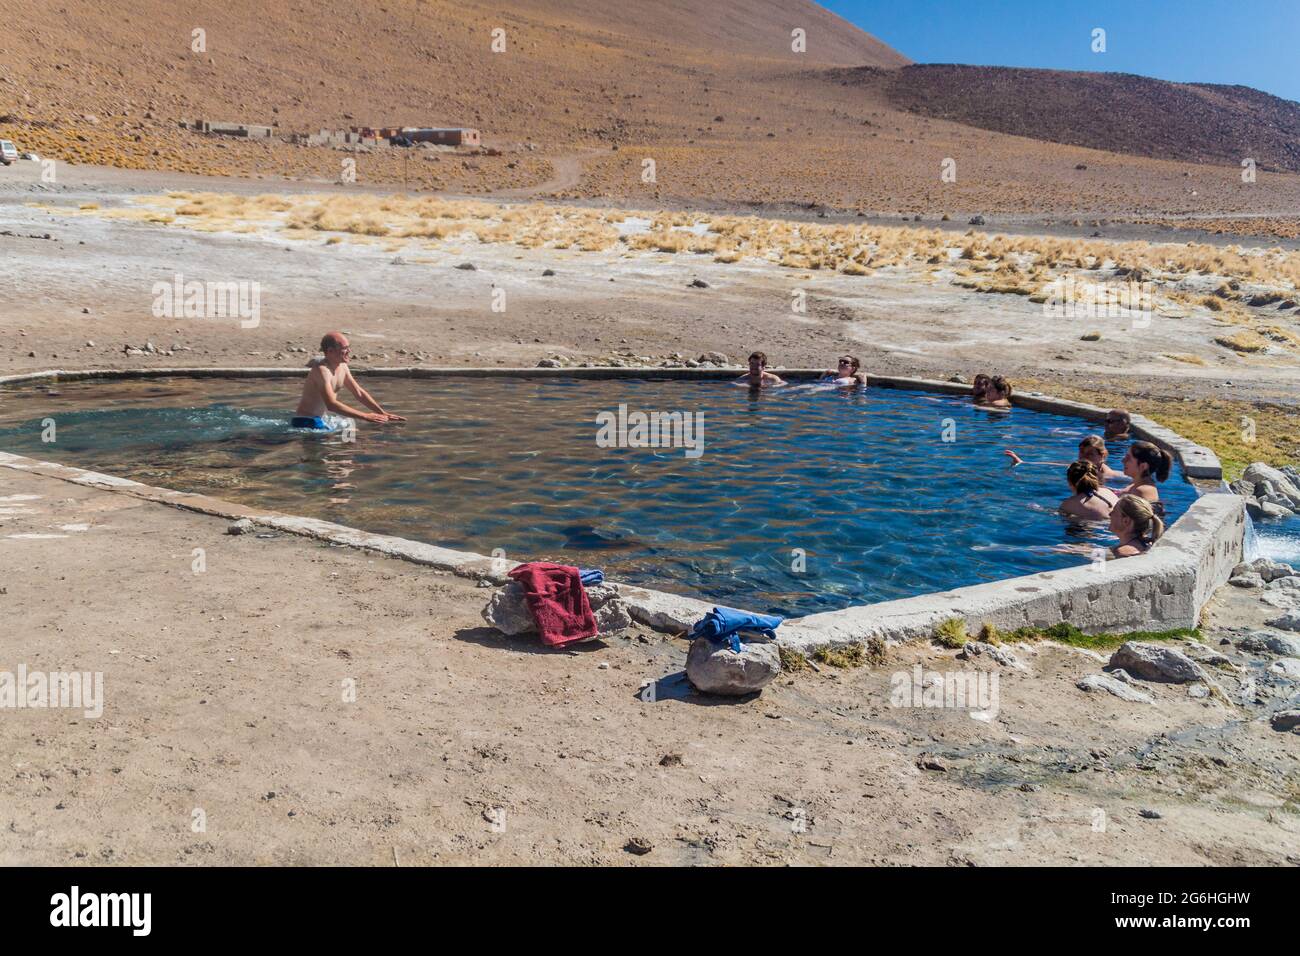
(999, 388)
(1083, 477)
(757, 361)
(1093, 449)
(1117, 423)
(848, 365)
(1133, 518)
(980, 386)
(1146, 462)
(336, 348)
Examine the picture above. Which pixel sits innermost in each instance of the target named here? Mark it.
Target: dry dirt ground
(224, 705)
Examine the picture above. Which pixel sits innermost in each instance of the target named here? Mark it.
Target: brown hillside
(1118, 112)
(585, 93)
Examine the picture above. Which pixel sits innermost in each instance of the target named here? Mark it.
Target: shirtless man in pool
(326, 379)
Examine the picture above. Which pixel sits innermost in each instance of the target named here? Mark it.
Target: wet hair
(853, 360)
(1092, 441)
(1083, 476)
(981, 379)
(1147, 525)
(1002, 385)
(761, 356)
(1157, 460)
(331, 340)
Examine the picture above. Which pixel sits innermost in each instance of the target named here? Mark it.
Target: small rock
(716, 358)
(1289, 621)
(242, 526)
(1266, 642)
(1287, 667)
(467, 266)
(1149, 814)
(670, 760)
(975, 220)
(1248, 580)
(1285, 720)
(1199, 691)
(698, 284)
(549, 363)
(1153, 662)
(932, 763)
(1099, 682)
(973, 649)
(639, 846)
(548, 272)
(717, 669)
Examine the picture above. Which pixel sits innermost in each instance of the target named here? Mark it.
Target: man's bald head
(333, 340)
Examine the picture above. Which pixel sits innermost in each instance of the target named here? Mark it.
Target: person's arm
(1017, 460)
(774, 378)
(332, 400)
(368, 400)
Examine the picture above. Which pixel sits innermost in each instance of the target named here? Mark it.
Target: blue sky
(1251, 42)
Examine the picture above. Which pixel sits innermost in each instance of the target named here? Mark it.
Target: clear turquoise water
(861, 483)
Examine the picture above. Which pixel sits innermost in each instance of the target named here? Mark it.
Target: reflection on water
(804, 499)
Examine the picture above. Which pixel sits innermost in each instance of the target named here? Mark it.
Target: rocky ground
(374, 719)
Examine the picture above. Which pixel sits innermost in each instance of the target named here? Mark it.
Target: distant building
(443, 136)
(234, 129)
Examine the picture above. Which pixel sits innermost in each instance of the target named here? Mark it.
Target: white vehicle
(8, 152)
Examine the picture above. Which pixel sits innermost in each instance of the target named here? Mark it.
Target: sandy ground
(224, 693)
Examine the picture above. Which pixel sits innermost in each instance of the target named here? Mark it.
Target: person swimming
(846, 372)
(758, 376)
(1118, 423)
(998, 395)
(979, 389)
(1090, 500)
(1136, 525)
(325, 379)
(1145, 464)
(1091, 449)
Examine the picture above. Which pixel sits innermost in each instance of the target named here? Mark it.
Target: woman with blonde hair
(1136, 525)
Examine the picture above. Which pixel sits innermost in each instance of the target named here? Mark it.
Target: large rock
(1266, 510)
(1157, 663)
(507, 610)
(1266, 568)
(717, 669)
(1280, 480)
(1102, 682)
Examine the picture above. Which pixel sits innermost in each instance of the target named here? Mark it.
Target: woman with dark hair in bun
(1145, 464)
(1090, 500)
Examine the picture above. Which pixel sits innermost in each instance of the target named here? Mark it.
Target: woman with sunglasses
(846, 372)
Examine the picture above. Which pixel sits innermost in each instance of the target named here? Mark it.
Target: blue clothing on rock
(722, 624)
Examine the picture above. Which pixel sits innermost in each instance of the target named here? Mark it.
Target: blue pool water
(803, 499)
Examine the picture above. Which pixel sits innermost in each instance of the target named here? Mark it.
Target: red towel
(557, 601)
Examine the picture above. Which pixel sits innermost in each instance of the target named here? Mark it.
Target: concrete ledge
(1168, 586)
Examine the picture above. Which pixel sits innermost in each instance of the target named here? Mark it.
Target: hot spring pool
(804, 499)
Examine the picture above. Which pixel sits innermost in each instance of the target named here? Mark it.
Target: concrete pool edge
(1168, 586)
